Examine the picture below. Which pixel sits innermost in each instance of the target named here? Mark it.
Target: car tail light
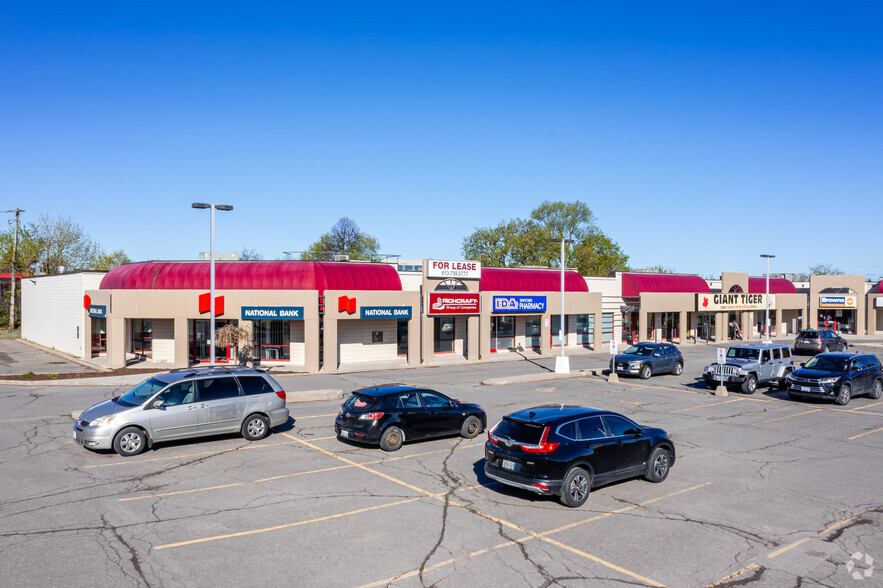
(491, 438)
(280, 394)
(370, 416)
(543, 447)
(541, 487)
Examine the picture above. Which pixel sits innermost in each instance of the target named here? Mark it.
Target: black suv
(565, 451)
(392, 414)
(819, 341)
(837, 376)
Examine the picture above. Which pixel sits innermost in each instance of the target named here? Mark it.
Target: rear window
(808, 335)
(359, 402)
(527, 433)
(254, 385)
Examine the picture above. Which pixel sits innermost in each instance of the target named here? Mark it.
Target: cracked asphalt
(765, 491)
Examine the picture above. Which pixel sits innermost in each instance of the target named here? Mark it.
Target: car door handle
(191, 407)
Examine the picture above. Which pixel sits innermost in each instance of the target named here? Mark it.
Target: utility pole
(17, 211)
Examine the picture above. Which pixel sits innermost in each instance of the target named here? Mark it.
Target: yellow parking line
(779, 552)
(707, 405)
(791, 546)
(734, 575)
(865, 406)
(291, 475)
(792, 415)
(867, 433)
(171, 457)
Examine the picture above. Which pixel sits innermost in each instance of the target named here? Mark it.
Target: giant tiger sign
(733, 301)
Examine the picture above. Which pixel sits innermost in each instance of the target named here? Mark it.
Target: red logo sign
(705, 301)
(205, 302)
(345, 304)
(454, 303)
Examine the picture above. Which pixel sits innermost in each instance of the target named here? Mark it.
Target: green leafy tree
(346, 238)
(820, 269)
(107, 261)
(536, 241)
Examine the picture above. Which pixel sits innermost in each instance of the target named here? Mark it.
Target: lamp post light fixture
(213, 207)
(766, 337)
(562, 363)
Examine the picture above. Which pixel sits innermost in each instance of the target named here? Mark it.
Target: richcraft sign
(454, 303)
(385, 312)
(837, 301)
(270, 313)
(437, 268)
(733, 301)
(512, 304)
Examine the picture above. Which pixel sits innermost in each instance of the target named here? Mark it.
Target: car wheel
(646, 372)
(577, 484)
(679, 367)
(749, 386)
(843, 395)
(392, 439)
(130, 441)
(471, 427)
(825, 349)
(876, 390)
(658, 465)
(255, 427)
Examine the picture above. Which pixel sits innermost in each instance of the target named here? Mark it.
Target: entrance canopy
(777, 286)
(253, 275)
(498, 279)
(633, 285)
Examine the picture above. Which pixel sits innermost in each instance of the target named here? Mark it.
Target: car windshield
(359, 402)
(645, 350)
(140, 393)
(831, 364)
(742, 353)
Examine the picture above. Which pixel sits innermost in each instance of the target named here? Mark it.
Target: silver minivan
(184, 404)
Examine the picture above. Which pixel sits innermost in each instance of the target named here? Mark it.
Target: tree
(250, 255)
(536, 241)
(345, 237)
(108, 261)
(819, 269)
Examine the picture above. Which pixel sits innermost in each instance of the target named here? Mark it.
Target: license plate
(804, 388)
(344, 434)
(508, 465)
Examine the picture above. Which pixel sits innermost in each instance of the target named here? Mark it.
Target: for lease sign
(439, 268)
(733, 301)
(454, 303)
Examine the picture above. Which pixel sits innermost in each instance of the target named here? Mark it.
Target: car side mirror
(158, 403)
(657, 354)
(802, 364)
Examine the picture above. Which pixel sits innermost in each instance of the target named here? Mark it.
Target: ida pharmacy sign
(463, 270)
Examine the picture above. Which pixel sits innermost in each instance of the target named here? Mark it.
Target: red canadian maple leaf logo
(705, 302)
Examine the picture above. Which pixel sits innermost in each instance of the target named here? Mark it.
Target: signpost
(612, 377)
(721, 390)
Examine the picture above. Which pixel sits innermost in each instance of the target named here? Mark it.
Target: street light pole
(562, 365)
(212, 275)
(17, 211)
(767, 321)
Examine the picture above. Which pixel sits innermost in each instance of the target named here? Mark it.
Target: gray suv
(750, 365)
(184, 404)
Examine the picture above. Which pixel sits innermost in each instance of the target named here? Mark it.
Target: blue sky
(700, 134)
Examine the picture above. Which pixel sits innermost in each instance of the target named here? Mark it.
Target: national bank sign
(385, 312)
(272, 313)
(510, 304)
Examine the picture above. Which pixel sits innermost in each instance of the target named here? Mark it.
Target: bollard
(613, 377)
(721, 391)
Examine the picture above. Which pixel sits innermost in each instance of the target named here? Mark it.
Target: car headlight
(790, 377)
(101, 421)
(634, 363)
(828, 380)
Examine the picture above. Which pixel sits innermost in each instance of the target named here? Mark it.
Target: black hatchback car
(837, 376)
(819, 341)
(646, 359)
(392, 414)
(565, 451)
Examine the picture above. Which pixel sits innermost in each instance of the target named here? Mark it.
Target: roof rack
(217, 368)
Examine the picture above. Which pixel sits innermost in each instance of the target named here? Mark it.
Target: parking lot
(765, 489)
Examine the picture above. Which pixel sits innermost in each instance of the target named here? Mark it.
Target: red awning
(633, 285)
(777, 286)
(253, 275)
(499, 279)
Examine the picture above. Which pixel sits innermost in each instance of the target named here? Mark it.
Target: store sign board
(385, 312)
(271, 313)
(453, 303)
(837, 301)
(464, 270)
(733, 301)
(878, 302)
(512, 304)
(97, 310)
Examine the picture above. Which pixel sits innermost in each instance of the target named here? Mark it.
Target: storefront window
(606, 327)
(670, 325)
(556, 326)
(273, 340)
(444, 334)
(705, 326)
(532, 333)
(503, 332)
(200, 330)
(841, 320)
(99, 336)
(142, 337)
(629, 327)
(585, 329)
(402, 337)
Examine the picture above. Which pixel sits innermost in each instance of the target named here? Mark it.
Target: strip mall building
(325, 316)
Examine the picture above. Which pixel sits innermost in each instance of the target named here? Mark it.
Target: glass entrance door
(502, 332)
(200, 339)
(444, 334)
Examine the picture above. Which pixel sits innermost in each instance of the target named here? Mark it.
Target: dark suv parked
(838, 376)
(565, 451)
(819, 341)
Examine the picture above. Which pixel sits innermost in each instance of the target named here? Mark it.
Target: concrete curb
(525, 379)
(97, 381)
(65, 356)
